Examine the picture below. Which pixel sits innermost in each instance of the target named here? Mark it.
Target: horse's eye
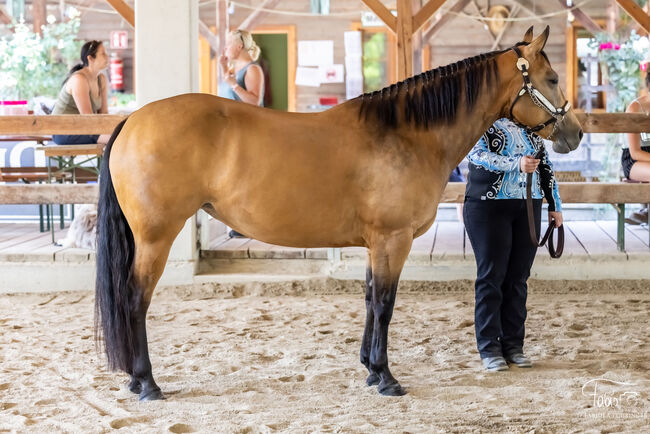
(553, 81)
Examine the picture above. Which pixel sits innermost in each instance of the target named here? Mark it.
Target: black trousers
(498, 232)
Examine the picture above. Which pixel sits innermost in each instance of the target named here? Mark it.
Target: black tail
(114, 281)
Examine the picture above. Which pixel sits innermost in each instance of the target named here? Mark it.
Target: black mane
(439, 94)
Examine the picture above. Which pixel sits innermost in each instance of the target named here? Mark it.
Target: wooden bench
(616, 194)
(30, 175)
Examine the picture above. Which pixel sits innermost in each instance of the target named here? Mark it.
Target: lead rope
(548, 236)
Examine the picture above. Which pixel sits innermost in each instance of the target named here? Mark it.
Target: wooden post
(404, 39)
(222, 30)
(383, 13)
(417, 43)
(124, 10)
(571, 64)
(423, 15)
(39, 15)
(635, 11)
(612, 16)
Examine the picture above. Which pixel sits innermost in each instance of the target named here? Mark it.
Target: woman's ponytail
(249, 44)
(88, 49)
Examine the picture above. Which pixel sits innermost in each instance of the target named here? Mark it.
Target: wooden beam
(205, 31)
(527, 7)
(404, 39)
(4, 16)
(223, 27)
(426, 12)
(251, 21)
(583, 19)
(48, 193)
(124, 10)
(383, 13)
(574, 192)
(450, 15)
(39, 15)
(635, 11)
(570, 192)
(571, 63)
(614, 122)
(59, 124)
(417, 42)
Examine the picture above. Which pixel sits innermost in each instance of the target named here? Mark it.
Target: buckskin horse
(369, 172)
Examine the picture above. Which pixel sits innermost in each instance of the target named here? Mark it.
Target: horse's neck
(453, 141)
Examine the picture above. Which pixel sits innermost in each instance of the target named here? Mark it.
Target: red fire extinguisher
(117, 72)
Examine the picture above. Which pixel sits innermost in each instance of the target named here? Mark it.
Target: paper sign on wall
(315, 53)
(307, 76)
(331, 73)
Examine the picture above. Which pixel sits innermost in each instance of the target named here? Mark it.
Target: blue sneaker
(519, 360)
(495, 364)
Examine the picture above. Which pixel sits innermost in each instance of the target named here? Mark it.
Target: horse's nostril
(580, 134)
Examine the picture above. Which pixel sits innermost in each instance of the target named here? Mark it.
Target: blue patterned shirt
(494, 166)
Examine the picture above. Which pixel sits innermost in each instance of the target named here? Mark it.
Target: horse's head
(537, 102)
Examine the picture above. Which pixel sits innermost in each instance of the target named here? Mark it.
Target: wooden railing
(617, 194)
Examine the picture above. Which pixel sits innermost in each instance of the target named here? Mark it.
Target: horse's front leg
(373, 378)
(388, 254)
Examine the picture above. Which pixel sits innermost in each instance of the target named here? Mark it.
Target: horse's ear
(528, 37)
(538, 44)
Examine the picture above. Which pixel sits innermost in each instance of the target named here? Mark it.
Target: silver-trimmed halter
(557, 113)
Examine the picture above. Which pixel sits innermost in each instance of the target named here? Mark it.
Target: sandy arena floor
(290, 363)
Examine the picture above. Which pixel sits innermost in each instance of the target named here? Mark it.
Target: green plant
(31, 65)
(620, 60)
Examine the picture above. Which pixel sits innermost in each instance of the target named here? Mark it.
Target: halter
(557, 113)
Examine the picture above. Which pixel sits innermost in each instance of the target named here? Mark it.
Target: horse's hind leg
(149, 263)
(388, 254)
(373, 378)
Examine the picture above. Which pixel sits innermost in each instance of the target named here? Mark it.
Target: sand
(289, 362)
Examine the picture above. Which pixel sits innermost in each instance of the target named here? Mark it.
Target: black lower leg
(383, 303)
(373, 378)
(149, 390)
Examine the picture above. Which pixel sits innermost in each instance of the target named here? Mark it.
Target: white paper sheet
(352, 43)
(307, 77)
(315, 53)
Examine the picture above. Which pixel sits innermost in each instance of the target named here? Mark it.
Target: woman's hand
(557, 216)
(231, 80)
(223, 62)
(528, 164)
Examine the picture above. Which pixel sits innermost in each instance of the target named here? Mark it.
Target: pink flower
(602, 47)
(644, 66)
(617, 47)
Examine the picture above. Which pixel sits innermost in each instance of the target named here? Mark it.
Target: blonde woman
(242, 77)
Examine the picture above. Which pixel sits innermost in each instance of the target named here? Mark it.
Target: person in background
(84, 91)
(242, 78)
(497, 225)
(635, 158)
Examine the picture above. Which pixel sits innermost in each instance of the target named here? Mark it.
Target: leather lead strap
(554, 251)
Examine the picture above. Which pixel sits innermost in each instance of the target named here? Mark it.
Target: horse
(369, 172)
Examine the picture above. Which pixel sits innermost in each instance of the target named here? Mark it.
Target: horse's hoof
(135, 387)
(152, 395)
(393, 389)
(372, 380)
